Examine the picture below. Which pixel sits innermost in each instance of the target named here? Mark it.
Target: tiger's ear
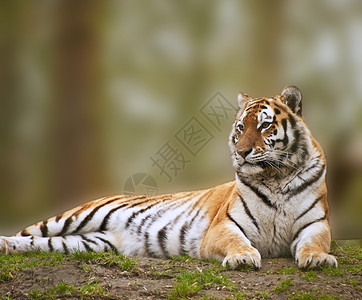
(292, 97)
(242, 99)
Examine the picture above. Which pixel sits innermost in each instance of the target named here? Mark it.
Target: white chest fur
(269, 215)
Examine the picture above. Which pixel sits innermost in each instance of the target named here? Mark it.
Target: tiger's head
(269, 134)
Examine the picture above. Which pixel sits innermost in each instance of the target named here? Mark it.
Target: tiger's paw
(315, 260)
(10, 245)
(250, 258)
(3, 245)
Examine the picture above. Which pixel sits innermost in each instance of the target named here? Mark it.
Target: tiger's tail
(79, 229)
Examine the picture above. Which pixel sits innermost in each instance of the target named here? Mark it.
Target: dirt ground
(150, 278)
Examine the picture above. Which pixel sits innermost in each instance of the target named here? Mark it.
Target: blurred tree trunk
(76, 145)
(10, 102)
(263, 57)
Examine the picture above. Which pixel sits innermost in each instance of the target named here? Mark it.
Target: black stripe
(88, 240)
(87, 247)
(256, 191)
(295, 145)
(104, 223)
(285, 140)
(65, 248)
(237, 224)
(108, 243)
(66, 225)
(136, 213)
(138, 198)
(307, 225)
(194, 242)
(50, 245)
(275, 121)
(147, 235)
(91, 214)
(246, 208)
(183, 231)
(58, 217)
(147, 244)
(309, 208)
(141, 226)
(292, 120)
(308, 183)
(161, 237)
(24, 233)
(155, 216)
(139, 229)
(32, 241)
(295, 249)
(44, 228)
(304, 152)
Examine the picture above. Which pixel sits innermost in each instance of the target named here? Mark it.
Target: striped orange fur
(277, 205)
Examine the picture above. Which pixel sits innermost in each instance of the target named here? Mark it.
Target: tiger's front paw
(310, 260)
(250, 257)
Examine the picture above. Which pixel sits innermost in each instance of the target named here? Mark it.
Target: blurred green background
(91, 91)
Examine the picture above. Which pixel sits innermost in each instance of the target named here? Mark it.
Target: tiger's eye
(265, 125)
(240, 127)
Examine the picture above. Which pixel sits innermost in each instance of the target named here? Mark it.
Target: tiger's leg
(97, 241)
(227, 243)
(311, 245)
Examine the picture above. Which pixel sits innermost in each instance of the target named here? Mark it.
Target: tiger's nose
(244, 152)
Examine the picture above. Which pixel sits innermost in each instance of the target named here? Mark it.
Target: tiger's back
(277, 205)
(161, 226)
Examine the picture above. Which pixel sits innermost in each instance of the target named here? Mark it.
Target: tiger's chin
(250, 168)
(263, 164)
(258, 168)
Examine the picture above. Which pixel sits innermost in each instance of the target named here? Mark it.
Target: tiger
(276, 206)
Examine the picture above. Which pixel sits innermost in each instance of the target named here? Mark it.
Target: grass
(310, 275)
(283, 285)
(188, 259)
(302, 295)
(63, 289)
(185, 277)
(262, 295)
(349, 263)
(10, 265)
(183, 258)
(161, 275)
(107, 259)
(284, 271)
(289, 270)
(190, 283)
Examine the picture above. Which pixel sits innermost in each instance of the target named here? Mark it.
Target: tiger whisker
(287, 163)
